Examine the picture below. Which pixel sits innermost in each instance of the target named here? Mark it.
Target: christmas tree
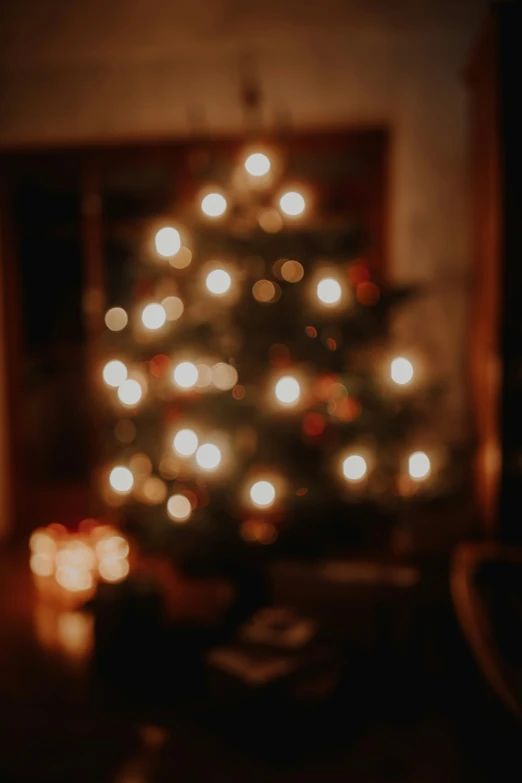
(251, 394)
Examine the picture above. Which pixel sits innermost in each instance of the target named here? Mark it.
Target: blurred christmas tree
(252, 395)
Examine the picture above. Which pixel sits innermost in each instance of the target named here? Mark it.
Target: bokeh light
(292, 203)
(125, 431)
(179, 508)
(168, 241)
(218, 282)
(224, 376)
(208, 456)
(214, 205)
(41, 564)
(257, 531)
(185, 442)
(292, 271)
(41, 542)
(354, 467)
(264, 291)
(419, 465)
(112, 546)
(182, 259)
(121, 479)
(153, 316)
(140, 465)
(270, 221)
(114, 373)
(185, 375)
(113, 569)
(401, 370)
(173, 307)
(367, 294)
(130, 392)
(116, 319)
(154, 490)
(262, 493)
(287, 390)
(329, 291)
(257, 164)
(204, 376)
(74, 579)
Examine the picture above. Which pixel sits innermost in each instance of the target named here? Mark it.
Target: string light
(329, 291)
(130, 392)
(292, 203)
(185, 375)
(168, 241)
(185, 443)
(114, 373)
(257, 164)
(179, 508)
(208, 456)
(218, 282)
(354, 467)
(153, 316)
(287, 390)
(419, 465)
(401, 370)
(116, 319)
(121, 479)
(214, 205)
(262, 493)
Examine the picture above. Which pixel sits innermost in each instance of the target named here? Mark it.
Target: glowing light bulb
(185, 375)
(121, 479)
(218, 282)
(42, 543)
(179, 508)
(208, 456)
(401, 370)
(153, 316)
(130, 392)
(257, 164)
(214, 205)
(113, 569)
(74, 579)
(354, 467)
(41, 564)
(114, 373)
(262, 493)
(113, 546)
(419, 465)
(185, 443)
(116, 319)
(292, 203)
(287, 390)
(168, 241)
(328, 291)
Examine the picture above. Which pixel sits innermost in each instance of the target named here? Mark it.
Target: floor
(57, 727)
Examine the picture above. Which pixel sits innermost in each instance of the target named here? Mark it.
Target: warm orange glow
(185, 375)
(354, 467)
(214, 205)
(121, 479)
(257, 164)
(130, 392)
(179, 508)
(419, 466)
(218, 282)
(173, 307)
(114, 373)
(287, 390)
(185, 442)
(208, 456)
(292, 203)
(42, 543)
(292, 271)
(74, 579)
(182, 259)
(401, 370)
(154, 490)
(168, 241)
(329, 291)
(256, 531)
(262, 494)
(264, 291)
(75, 632)
(75, 554)
(153, 316)
(270, 221)
(113, 546)
(41, 564)
(116, 319)
(224, 376)
(113, 569)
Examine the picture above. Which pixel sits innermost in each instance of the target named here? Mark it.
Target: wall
(126, 68)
